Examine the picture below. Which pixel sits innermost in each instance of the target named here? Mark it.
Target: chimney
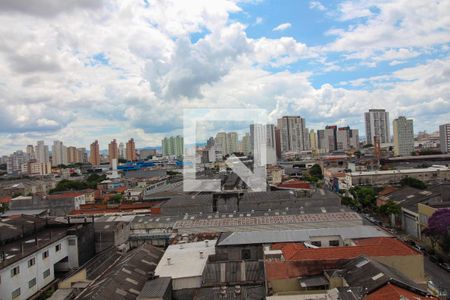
(169, 260)
(206, 243)
(202, 255)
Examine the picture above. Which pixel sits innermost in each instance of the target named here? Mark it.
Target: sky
(80, 70)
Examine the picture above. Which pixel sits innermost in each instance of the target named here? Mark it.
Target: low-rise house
(111, 233)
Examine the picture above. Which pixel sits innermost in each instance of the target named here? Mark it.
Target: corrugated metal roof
(272, 236)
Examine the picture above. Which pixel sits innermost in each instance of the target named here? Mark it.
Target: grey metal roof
(275, 236)
(155, 288)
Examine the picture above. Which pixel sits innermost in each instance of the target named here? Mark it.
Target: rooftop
(392, 291)
(404, 171)
(377, 246)
(155, 288)
(185, 260)
(279, 236)
(64, 195)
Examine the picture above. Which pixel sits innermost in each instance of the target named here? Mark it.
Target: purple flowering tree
(438, 227)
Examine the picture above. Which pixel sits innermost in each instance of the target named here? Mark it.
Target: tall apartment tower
(41, 152)
(59, 154)
(313, 140)
(292, 131)
(121, 150)
(403, 136)
(377, 124)
(232, 142)
(131, 150)
(94, 155)
(30, 151)
(444, 135)
(113, 150)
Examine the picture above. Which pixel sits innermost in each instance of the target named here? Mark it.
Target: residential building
(30, 152)
(113, 151)
(278, 142)
(377, 125)
(72, 155)
(403, 136)
(34, 168)
(444, 136)
(131, 150)
(94, 155)
(59, 154)
(220, 142)
(347, 138)
(41, 152)
(15, 161)
(292, 133)
(172, 146)
(81, 155)
(245, 145)
(313, 139)
(232, 142)
(122, 151)
(432, 175)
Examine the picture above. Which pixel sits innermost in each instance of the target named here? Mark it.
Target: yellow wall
(77, 277)
(410, 265)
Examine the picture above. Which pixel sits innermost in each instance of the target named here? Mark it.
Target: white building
(185, 263)
(403, 136)
(377, 124)
(15, 161)
(59, 154)
(24, 274)
(444, 135)
(292, 133)
(41, 152)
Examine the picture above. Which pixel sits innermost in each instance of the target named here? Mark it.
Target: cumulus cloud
(86, 70)
(317, 5)
(282, 27)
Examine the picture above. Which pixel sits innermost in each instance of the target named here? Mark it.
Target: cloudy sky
(79, 70)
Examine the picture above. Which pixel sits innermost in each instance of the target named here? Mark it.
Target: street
(439, 276)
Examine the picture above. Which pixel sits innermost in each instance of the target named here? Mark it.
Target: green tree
(413, 182)
(316, 171)
(389, 208)
(365, 195)
(117, 198)
(351, 202)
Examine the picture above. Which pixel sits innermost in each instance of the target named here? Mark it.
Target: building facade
(292, 133)
(94, 155)
(113, 150)
(377, 125)
(444, 136)
(403, 136)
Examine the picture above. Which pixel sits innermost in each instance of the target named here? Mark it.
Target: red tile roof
(383, 246)
(393, 292)
(294, 184)
(276, 270)
(387, 190)
(4, 200)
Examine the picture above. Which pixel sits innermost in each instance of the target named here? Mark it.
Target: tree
(316, 171)
(351, 202)
(365, 195)
(413, 182)
(368, 146)
(438, 228)
(389, 208)
(117, 198)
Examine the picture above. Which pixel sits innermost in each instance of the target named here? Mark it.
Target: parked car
(445, 266)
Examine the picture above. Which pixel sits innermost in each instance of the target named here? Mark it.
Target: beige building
(94, 155)
(403, 136)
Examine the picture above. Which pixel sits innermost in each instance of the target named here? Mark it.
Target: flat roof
(279, 236)
(185, 260)
(403, 171)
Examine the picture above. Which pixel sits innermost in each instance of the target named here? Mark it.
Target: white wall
(9, 284)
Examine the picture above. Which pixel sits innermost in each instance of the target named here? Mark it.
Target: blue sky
(105, 69)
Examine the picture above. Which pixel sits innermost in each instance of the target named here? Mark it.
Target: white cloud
(317, 5)
(282, 27)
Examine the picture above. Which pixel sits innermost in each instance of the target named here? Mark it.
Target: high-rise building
(30, 151)
(245, 145)
(41, 152)
(313, 140)
(113, 150)
(94, 154)
(15, 161)
(403, 136)
(72, 155)
(232, 142)
(221, 142)
(377, 124)
(292, 131)
(354, 139)
(81, 155)
(131, 150)
(263, 136)
(277, 142)
(330, 138)
(444, 136)
(59, 154)
(122, 151)
(173, 145)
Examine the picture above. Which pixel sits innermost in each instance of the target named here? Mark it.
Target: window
(15, 293)
(31, 283)
(72, 242)
(31, 262)
(246, 254)
(46, 273)
(58, 247)
(45, 254)
(334, 243)
(15, 271)
(316, 243)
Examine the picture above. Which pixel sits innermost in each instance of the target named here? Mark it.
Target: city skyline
(326, 61)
